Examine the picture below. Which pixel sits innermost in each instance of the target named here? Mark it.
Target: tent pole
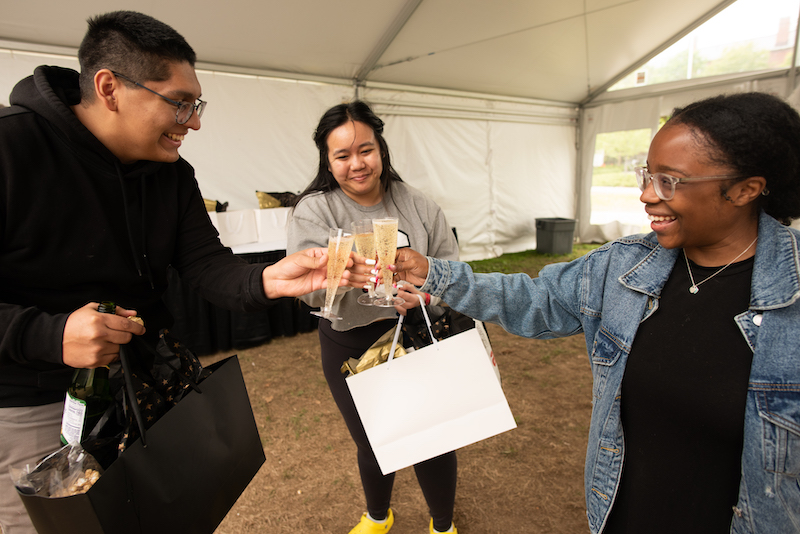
(580, 214)
(793, 66)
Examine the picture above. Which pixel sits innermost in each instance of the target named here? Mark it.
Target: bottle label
(72, 420)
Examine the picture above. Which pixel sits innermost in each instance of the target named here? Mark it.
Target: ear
(744, 192)
(106, 88)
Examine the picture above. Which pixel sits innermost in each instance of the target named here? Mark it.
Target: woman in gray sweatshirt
(355, 181)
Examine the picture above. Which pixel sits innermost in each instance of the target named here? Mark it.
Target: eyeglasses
(185, 109)
(664, 184)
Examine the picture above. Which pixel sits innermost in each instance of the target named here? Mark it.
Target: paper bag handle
(400, 323)
(130, 392)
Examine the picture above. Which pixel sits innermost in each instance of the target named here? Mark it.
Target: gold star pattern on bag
(160, 380)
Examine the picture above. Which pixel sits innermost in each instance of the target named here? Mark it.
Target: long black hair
(755, 134)
(355, 111)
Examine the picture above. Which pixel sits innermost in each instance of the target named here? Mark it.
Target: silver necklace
(693, 289)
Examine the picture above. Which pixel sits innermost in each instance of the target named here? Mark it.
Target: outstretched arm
(299, 273)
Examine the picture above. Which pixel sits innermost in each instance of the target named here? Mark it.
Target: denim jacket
(605, 295)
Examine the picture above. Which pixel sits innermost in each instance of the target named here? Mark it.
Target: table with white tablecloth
(257, 236)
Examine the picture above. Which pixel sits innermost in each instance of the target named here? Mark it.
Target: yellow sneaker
(368, 526)
(434, 531)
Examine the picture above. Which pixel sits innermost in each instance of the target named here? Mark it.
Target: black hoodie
(76, 225)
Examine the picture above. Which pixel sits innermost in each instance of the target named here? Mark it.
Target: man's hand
(298, 274)
(92, 339)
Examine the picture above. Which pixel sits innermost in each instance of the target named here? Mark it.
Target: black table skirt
(207, 329)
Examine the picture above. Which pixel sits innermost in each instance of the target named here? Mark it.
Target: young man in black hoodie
(95, 203)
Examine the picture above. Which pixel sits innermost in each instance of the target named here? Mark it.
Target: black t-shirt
(683, 402)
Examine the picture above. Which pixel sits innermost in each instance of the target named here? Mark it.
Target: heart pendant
(693, 290)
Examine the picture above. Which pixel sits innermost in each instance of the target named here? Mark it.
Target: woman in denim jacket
(693, 330)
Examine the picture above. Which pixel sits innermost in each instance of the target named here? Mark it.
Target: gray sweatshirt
(421, 226)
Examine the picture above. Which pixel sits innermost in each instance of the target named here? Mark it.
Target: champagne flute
(340, 244)
(386, 247)
(365, 246)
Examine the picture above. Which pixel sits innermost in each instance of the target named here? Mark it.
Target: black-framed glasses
(185, 109)
(664, 184)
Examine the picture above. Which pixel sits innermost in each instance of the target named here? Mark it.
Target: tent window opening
(749, 35)
(615, 195)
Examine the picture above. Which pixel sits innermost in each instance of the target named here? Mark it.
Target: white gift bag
(271, 225)
(431, 401)
(236, 227)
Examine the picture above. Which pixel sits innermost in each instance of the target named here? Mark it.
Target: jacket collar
(776, 270)
(651, 273)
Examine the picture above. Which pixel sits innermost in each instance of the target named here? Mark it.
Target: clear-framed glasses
(664, 184)
(185, 109)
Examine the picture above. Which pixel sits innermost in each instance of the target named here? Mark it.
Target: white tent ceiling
(561, 51)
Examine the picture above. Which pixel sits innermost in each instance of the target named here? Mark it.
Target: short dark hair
(355, 111)
(133, 44)
(756, 134)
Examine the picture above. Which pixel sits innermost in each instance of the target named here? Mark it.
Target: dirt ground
(527, 480)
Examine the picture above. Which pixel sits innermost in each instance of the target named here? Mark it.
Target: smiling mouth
(659, 218)
(175, 137)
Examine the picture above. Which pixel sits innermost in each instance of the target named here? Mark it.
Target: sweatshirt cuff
(256, 299)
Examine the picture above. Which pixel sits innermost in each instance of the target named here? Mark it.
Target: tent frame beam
(386, 40)
(653, 53)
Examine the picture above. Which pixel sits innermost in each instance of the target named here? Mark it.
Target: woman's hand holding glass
(411, 269)
(410, 266)
(408, 293)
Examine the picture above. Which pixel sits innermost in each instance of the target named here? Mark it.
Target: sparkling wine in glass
(365, 246)
(385, 231)
(340, 243)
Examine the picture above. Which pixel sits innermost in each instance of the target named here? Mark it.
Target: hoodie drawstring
(135, 253)
(148, 272)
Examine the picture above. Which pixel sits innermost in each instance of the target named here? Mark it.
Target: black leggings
(436, 477)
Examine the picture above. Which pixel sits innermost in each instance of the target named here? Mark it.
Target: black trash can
(555, 236)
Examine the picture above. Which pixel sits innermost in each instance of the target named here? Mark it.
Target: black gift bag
(445, 322)
(199, 458)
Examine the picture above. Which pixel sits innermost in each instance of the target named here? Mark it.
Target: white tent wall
(635, 109)
(15, 66)
(257, 135)
(490, 165)
(534, 176)
(493, 166)
(492, 179)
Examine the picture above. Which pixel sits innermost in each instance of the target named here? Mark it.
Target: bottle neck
(107, 306)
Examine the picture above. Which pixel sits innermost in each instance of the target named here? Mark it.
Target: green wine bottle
(88, 397)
